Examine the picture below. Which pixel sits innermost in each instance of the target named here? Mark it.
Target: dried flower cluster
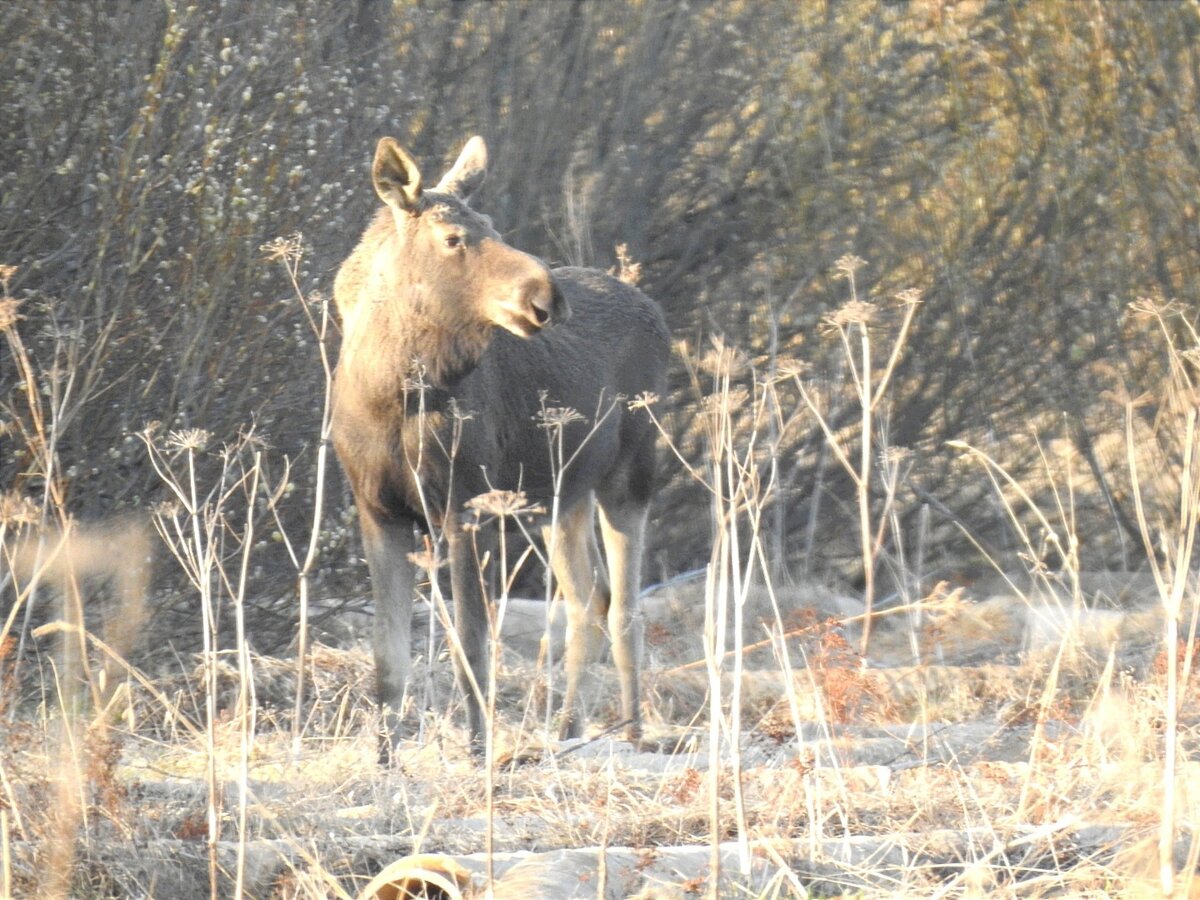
(554, 417)
(503, 504)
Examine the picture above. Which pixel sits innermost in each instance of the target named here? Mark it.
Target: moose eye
(453, 241)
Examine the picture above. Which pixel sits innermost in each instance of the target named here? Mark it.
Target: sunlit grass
(1010, 734)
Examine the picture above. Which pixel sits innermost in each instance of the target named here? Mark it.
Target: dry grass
(959, 766)
(1015, 734)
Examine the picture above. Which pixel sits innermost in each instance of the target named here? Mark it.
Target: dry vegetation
(926, 609)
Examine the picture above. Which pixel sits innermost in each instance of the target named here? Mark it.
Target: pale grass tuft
(789, 367)
(427, 559)
(16, 509)
(943, 599)
(166, 509)
(644, 400)
(6, 276)
(8, 312)
(626, 269)
(251, 440)
(736, 397)
(1119, 394)
(896, 455)
(722, 359)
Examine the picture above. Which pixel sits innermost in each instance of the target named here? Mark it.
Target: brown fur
(434, 405)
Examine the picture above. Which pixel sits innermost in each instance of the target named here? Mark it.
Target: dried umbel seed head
(195, 439)
(847, 265)
(557, 417)
(503, 504)
(856, 312)
(286, 249)
(1152, 308)
(644, 400)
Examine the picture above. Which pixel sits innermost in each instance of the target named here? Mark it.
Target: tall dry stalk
(1170, 544)
(852, 324)
(743, 427)
(290, 251)
(196, 530)
(739, 479)
(42, 544)
(553, 422)
(5, 855)
(38, 427)
(1164, 484)
(246, 704)
(501, 505)
(1054, 529)
(88, 698)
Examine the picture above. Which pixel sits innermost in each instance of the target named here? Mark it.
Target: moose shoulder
(454, 347)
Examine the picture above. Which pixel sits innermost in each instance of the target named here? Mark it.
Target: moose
(454, 347)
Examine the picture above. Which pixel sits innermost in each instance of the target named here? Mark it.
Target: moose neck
(424, 359)
(444, 354)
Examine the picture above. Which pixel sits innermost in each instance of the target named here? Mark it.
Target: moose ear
(396, 177)
(467, 174)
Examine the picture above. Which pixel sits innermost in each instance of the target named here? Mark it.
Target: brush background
(1029, 168)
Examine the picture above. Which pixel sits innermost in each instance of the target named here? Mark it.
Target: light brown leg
(581, 578)
(623, 527)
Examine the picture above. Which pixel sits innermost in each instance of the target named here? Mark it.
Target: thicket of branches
(1029, 168)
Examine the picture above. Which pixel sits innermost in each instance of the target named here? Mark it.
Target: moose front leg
(470, 625)
(388, 545)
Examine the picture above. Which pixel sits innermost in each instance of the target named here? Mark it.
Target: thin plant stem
(246, 705)
(291, 252)
(203, 556)
(489, 748)
(5, 855)
(864, 483)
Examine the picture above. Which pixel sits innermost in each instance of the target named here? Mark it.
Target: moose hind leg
(575, 564)
(387, 546)
(623, 527)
